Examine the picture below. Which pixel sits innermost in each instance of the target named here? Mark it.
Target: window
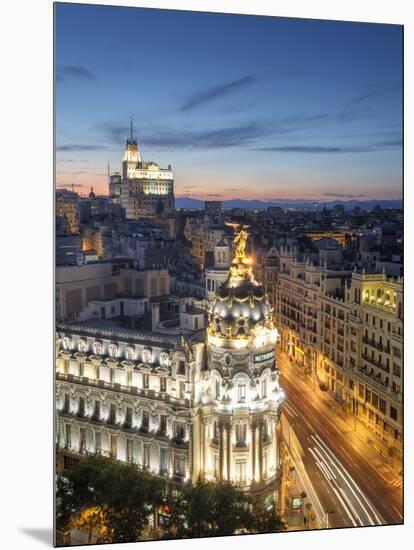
(375, 400)
(82, 440)
(129, 450)
(112, 413)
(163, 384)
(240, 472)
(396, 369)
(179, 465)
(241, 434)
(145, 420)
(393, 413)
(68, 435)
(128, 417)
(179, 431)
(98, 444)
(145, 381)
(114, 449)
(163, 424)
(66, 403)
(242, 392)
(163, 461)
(96, 409)
(361, 391)
(181, 368)
(383, 406)
(264, 388)
(367, 395)
(81, 369)
(146, 456)
(81, 408)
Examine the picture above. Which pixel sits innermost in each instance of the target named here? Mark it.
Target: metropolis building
(197, 407)
(146, 189)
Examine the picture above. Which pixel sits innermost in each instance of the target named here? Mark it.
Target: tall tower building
(145, 188)
(132, 156)
(236, 423)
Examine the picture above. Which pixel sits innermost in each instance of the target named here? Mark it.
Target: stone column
(229, 453)
(253, 437)
(260, 451)
(221, 452)
(204, 446)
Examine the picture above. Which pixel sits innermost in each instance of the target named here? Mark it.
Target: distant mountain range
(188, 202)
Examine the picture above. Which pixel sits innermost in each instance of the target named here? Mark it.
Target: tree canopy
(124, 495)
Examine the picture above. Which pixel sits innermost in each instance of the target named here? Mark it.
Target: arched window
(113, 350)
(130, 353)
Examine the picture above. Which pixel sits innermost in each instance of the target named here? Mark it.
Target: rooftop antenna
(132, 120)
(108, 173)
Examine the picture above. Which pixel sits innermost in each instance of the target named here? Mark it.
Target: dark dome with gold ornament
(241, 303)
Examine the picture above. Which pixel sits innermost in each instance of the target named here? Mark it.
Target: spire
(131, 140)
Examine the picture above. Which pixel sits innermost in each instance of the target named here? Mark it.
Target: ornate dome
(240, 304)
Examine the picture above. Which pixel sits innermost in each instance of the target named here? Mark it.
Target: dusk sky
(240, 106)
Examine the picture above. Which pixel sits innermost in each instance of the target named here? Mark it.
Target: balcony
(119, 388)
(376, 363)
(375, 382)
(377, 345)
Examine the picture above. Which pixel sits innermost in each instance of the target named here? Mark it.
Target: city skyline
(307, 110)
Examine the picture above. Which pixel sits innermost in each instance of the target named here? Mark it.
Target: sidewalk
(294, 487)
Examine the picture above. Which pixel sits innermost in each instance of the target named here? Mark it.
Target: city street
(352, 482)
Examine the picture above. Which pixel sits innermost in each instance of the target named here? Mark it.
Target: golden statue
(241, 265)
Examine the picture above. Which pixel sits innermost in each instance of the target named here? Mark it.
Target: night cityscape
(229, 314)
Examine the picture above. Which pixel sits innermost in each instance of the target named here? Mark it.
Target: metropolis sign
(264, 356)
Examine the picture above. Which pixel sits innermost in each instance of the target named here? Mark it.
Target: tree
(208, 509)
(265, 517)
(108, 495)
(93, 520)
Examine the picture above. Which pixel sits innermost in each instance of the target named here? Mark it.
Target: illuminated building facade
(146, 189)
(345, 328)
(217, 271)
(67, 209)
(365, 370)
(178, 406)
(236, 422)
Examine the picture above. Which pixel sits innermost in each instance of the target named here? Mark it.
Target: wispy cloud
(216, 92)
(377, 91)
(74, 72)
(68, 185)
(72, 172)
(172, 138)
(322, 149)
(80, 147)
